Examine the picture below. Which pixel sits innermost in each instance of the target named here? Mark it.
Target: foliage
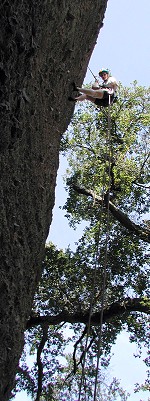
(70, 389)
(107, 275)
(128, 152)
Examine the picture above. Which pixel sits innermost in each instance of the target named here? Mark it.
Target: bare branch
(75, 348)
(141, 185)
(88, 347)
(73, 372)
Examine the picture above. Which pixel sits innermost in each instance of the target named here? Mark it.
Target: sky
(123, 46)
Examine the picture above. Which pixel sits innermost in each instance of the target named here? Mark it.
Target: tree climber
(99, 93)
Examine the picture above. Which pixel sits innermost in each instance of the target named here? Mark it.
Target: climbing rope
(93, 74)
(106, 256)
(96, 266)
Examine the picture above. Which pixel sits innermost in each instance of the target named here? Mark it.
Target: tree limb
(116, 309)
(139, 175)
(39, 362)
(73, 372)
(143, 233)
(75, 348)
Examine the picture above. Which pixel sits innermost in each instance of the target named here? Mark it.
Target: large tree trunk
(45, 46)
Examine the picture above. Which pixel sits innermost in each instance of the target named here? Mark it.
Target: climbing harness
(97, 262)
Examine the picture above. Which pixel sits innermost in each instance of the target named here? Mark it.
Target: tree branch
(75, 348)
(143, 164)
(39, 362)
(143, 233)
(116, 309)
(73, 372)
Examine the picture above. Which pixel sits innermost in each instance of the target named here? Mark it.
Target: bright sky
(123, 46)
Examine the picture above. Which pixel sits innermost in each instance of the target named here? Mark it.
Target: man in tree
(99, 94)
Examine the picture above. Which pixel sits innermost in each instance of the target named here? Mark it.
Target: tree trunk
(45, 46)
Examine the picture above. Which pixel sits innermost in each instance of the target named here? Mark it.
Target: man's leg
(81, 98)
(92, 92)
(85, 97)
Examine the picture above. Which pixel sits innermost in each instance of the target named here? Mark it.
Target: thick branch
(116, 309)
(143, 233)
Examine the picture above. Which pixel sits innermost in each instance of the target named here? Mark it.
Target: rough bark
(45, 46)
